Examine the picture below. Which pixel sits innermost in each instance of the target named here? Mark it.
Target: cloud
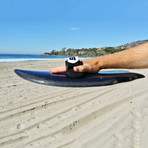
(74, 28)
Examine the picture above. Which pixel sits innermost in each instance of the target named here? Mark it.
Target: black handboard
(89, 80)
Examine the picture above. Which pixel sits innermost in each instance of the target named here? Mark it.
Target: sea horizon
(13, 58)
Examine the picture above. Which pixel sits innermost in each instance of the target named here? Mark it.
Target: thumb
(80, 68)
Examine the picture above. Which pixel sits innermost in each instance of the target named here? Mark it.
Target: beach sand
(40, 116)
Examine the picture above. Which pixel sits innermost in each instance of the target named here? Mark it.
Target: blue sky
(37, 26)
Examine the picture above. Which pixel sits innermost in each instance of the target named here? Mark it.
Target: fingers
(86, 68)
(61, 69)
(83, 68)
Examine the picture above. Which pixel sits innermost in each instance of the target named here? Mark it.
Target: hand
(89, 66)
(61, 69)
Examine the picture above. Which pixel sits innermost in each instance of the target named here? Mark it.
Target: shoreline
(26, 60)
(13, 58)
(34, 115)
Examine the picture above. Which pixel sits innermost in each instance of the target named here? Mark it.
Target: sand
(40, 116)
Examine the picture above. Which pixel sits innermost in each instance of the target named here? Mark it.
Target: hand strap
(70, 63)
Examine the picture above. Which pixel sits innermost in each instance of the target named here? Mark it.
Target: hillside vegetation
(93, 52)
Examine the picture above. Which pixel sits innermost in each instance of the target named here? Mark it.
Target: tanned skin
(133, 58)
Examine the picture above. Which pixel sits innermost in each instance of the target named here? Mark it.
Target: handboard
(97, 79)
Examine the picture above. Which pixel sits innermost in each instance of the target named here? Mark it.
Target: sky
(38, 26)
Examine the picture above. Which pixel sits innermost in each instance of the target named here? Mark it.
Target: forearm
(136, 57)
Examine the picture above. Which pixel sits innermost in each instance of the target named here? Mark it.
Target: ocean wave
(26, 60)
(11, 58)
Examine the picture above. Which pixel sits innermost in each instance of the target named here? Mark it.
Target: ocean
(9, 58)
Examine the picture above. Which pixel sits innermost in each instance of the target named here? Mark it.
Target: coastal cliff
(92, 52)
